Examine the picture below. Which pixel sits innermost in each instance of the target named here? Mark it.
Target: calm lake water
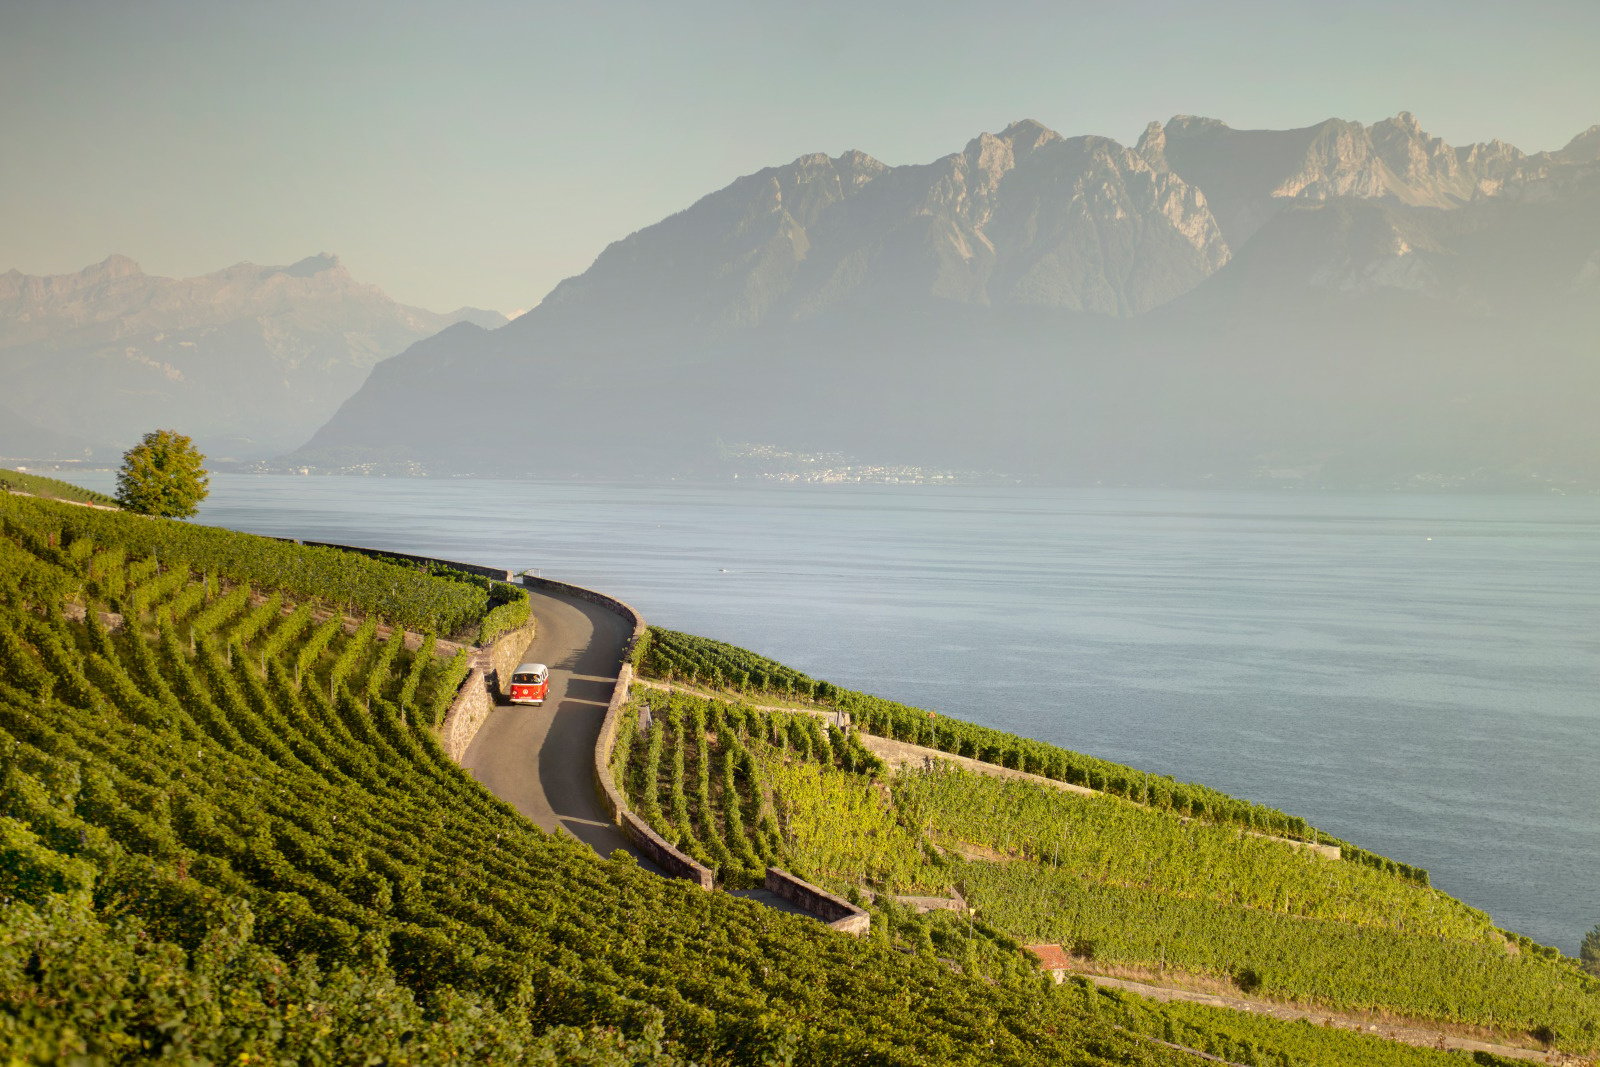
(1417, 674)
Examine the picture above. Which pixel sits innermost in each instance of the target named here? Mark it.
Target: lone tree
(162, 475)
(1589, 952)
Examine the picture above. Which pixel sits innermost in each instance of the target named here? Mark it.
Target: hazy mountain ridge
(1022, 217)
(248, 358)
(1339, 304)
(1025, 217)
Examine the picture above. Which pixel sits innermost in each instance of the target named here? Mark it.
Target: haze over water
(1414, 673)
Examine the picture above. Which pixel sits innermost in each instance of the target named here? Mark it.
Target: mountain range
(1339, 305)
(1342, 305)
(249, 360)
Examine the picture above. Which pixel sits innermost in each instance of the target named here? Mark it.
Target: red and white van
(530, 684)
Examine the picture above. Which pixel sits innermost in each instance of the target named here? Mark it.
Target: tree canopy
(162, 475)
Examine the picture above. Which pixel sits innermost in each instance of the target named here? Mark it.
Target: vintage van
(530, 684)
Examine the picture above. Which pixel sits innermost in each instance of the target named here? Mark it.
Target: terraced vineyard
(54, 488)
(229, 836)
(674, 656)
(1120, 883)
(701, 773)
(405, 595)
(1249, 1038)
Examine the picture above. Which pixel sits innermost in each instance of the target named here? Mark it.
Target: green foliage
(508, 605)
(32, 872)
(442, 691)
(205, 862)
(404, 595)
(279, 873)
(511, 609)
(677, 656)
(54, 488)
(716, 779)
(1589, 951)
(1122, 883)
(163, 475)
(1250, 1038)
(841, 828)
(1110, 840)
(683, 657)
(77, 986)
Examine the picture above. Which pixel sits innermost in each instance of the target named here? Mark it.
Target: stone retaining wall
(669, 859)
(837, 912)
(610, 603)
(478, 694)
(651, 844)
(476, 700)
(611, 798)
(503, 655)
(481, 690)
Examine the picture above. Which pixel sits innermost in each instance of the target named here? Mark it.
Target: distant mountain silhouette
(1336, 305)
(248, 360)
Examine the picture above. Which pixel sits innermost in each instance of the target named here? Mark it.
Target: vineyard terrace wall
(481, 690)
(646, 840)
(837, 912)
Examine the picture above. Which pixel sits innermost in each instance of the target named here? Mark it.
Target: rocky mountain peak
(1193, 126)
(251, 356)
(989, 157)
(1019, 217)
(1583, 148)
(855, 159)
(855, 168)
(1412, 156)
(1152, 146)
(1248, 175)
(1339, 302)
(848, 169)
(114, 266)
(1025, 135)
(312, 265)
(1405, 120)
(36, 289)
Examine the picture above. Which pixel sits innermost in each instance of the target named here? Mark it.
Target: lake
(1415, 673)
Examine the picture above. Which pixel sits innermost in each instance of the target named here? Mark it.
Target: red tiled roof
(1051, 957)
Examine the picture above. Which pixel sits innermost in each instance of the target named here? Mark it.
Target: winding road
(541, 760)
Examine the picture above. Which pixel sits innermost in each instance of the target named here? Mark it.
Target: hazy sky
(477, 153)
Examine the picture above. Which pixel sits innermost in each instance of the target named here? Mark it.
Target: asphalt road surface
(540, 760)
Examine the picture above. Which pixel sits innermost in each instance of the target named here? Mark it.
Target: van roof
(531, 668)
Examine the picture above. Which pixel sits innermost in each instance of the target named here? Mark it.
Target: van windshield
(525, 679)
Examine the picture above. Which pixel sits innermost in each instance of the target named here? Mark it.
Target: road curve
(541, 760)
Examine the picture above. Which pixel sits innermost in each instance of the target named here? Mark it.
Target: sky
(477, 153)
